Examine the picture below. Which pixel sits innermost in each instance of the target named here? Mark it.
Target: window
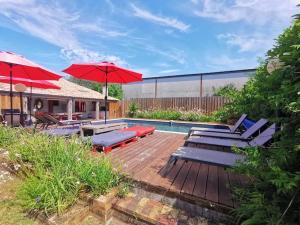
(80, 106)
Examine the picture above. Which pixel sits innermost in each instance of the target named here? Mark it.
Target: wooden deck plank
(200, 186)
(224, 188)
(191, 179)
(212, 184)
(181, 177)
(146, 159)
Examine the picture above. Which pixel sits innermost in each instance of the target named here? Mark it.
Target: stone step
(143, 210)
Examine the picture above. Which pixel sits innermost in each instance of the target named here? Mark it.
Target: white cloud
(84, 55)
(56, 25)
(173, 54)
(258, 12)
(248, 43)
(161, 20)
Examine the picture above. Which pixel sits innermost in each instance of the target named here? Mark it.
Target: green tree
(114, 90)
(273, 197)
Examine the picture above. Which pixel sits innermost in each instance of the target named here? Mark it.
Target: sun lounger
(260, 140)
(141, 131)
(224, 159)
(93, 129)
(228, 130)
(244, 136)
(62, 131)
(109, 140)
(52, 120)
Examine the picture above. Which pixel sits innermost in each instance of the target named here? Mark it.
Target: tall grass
(56, 169)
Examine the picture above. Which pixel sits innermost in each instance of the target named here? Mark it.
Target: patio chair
(39, 119)
(231, 130)
(2, 120)
(227, 144)
(217, 158)
(51, 120)
(201, 155)
(109, 140)
(244, 136)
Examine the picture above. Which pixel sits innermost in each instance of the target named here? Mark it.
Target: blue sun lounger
(109, 140)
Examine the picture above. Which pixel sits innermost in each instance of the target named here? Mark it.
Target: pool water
(167, 126)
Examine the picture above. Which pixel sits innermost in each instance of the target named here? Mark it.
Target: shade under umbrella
(14, 65)
(103, 72)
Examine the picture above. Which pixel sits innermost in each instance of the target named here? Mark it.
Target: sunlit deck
(144, 162)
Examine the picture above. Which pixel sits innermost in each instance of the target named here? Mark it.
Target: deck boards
(145, 161)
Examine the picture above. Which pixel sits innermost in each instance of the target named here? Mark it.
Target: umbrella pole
(105, 98)
(11, 96)
(30, 105)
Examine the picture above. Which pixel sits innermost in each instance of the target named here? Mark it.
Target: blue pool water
(166, 126)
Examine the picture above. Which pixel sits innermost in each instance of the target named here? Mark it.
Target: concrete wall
(185, 85)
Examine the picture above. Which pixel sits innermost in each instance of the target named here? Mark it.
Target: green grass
(11, 210)
(57, 170)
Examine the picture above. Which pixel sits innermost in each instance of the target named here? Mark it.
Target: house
(72, 100)
(186, 85)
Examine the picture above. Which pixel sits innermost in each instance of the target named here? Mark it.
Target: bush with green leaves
(172, 114)
(274, 197)
(57, 169)
(133, 108)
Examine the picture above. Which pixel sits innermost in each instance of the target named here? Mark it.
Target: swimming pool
(165, 125)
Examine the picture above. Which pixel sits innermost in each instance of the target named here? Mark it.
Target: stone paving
(156, 212)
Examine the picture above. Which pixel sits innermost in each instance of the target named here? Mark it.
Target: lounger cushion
(111, 138)
(217, 135)
(218, 142)
(140, 130)
(62, 131)
(218, 158)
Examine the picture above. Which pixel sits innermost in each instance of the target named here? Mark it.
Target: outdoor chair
(246, 135)
(231, 130)
(217, 158)
(53, 121)
(3, 121)
(227, 144)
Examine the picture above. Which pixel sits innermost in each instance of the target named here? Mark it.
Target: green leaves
(57, 170)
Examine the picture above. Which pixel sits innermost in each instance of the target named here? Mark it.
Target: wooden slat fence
(206, 105)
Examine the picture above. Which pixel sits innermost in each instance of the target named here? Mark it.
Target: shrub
(57, 170)
(172, 114)
(274, 197)
(133, 108)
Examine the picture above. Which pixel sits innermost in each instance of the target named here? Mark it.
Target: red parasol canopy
(13, 65)
(23, 68)
(103, 72)
(43, 84)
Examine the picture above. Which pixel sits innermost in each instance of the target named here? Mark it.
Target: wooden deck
(144, 161)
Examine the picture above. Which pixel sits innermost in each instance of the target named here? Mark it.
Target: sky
(154, 37)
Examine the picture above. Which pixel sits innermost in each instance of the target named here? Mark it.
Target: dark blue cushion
(111, 138)
(247, 123)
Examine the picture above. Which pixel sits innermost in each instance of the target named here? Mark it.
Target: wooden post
(97, 110)
(155, 93)
(70, 108)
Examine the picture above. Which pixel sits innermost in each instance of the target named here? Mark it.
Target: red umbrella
(103, 72)
(43, 84)
(13, 65)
